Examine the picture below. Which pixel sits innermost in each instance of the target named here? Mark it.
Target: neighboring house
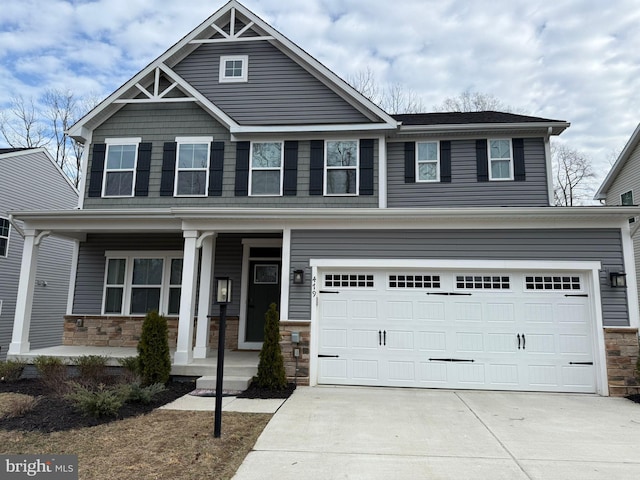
(402, 250)
(30, 179)
(622, 186)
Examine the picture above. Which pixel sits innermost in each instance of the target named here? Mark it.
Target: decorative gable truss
(234, 31)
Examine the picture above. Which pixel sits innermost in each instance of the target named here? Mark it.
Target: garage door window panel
(553, 282)
(483, 282)
(414, 281)
(337, 280)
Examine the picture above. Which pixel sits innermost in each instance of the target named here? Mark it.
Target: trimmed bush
(92, 369)
(271, 373)
(102, 402)
(131, 367)
(154, 360)
(136, 393)
(11, 370)
(53, 373)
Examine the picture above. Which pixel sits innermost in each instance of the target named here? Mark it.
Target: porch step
(229, 382)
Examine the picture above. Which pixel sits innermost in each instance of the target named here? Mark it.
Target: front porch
(239, 366)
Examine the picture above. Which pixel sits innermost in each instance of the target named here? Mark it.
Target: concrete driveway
(329, 433)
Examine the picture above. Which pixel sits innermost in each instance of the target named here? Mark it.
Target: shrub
(11, 370)
(102, 402)
(92, 369)
(271, 374)
(53, 373)
(16, 405)
(131, 369)
(153, 350)
(136, 393)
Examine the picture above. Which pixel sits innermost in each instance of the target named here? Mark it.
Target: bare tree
(573, 174)
(21, 125)
(392, 98)
(469, 101)
(61, 111)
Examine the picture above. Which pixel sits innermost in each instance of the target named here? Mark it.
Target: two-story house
(402, 250)
(30, 179)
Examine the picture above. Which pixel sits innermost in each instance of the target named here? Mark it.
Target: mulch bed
(634, 398)
(53, 413)
(256, 392)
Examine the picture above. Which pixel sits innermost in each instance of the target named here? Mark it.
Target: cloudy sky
(574, 60)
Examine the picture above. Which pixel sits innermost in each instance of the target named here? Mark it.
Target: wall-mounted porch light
(298, 277)
(618, 279)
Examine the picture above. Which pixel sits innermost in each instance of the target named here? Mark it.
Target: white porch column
(204, 299)
(184, 347)
(24, 301)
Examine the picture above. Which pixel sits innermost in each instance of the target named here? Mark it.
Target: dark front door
(264, 289)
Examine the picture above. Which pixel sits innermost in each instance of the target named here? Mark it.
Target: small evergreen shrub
(271, 374)
(92, 369)
(53, 373)
(102, 402)
(153, 350)
(11, 370)
(131, 369)
(136, 393)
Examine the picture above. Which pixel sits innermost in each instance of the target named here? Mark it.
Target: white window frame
(129, 256)
(223, 78)
(252, 169)
(192, 141)
(8, 237)
(117, 142)
(490, 160)
(419, 162)
(328, 168)
(624, 193)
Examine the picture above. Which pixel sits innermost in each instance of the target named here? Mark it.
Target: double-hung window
(341, 167)
(4, 237)
(192, 175)
(427, 162)
(266, 168)
(120, 167)
(138, 282)
(500, 159)
(234, 68)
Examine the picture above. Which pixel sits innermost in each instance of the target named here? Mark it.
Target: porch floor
(235, 362)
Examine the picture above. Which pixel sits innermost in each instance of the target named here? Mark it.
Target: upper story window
(500, 159)
(427, 162)
(265, 176)
(192, 167)
(234, 68)
(138, 282)
(626, 198)
(120, 167)
(4, 237)
(341, 167)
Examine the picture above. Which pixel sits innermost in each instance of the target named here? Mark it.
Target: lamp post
(223, 298)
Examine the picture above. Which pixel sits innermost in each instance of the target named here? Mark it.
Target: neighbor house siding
(29, 181)
(162, 123)
(603, 245)
(464, 189)
(278, 91)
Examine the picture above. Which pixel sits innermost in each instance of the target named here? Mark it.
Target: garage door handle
(518, 341)
(524, 342)
(576, 295)
(580, 363)
(384, 335)
(327, 291)
(451, 360)
(328, 356)
(379, 337)
(448, 293)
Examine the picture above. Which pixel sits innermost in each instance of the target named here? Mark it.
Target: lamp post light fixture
(618, 279)
(223, 298)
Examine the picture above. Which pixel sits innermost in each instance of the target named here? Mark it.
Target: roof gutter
(554, 127)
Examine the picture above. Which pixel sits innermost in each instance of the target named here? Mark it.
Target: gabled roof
(628, 149)
(12, 150)
(148, 84)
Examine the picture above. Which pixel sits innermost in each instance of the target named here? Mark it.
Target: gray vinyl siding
(162, 123)
(30, 181)
(464, 189)
(92, 261)
(604, 245)
(278, 91)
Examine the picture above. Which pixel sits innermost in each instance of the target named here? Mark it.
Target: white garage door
(456, 329)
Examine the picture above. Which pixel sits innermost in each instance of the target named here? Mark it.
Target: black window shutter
(366, 167)
(445, 161)
(168, 169)
(316, 168)
(242, 169)
(97, 169)
(482, 160)
(290, 168)
(142, 170)
(215, 169)
(409, 162)
(518, 160)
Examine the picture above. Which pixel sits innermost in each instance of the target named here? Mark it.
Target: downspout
(83, 172)
(547, 154)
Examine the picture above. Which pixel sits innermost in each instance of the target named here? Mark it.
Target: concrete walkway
(329, 433)
(229, 404)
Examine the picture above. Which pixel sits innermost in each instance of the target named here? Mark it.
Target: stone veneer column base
(301, 376)
(621, 345)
